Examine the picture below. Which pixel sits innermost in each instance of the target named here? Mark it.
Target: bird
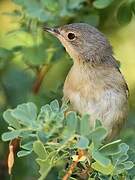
(94, 84)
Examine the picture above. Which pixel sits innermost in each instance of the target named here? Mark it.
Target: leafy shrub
(60, 140)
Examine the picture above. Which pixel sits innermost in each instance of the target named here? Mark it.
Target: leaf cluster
(56, 138)
(125, 12)
(38, 49)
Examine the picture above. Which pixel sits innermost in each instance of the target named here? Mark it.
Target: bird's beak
(53, 31)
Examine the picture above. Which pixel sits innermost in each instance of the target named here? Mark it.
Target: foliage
(56, 138)
(125, 12)
(33, 67)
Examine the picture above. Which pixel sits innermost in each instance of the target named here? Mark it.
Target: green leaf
(28, 146)
(93, 19)
(101, 4)
(17, 91)
(71, 121)
(133, 6)
(122, 158)
(45, 167)
(5, 54)
(106, 170)
(26, 113)
(100, 158)
(120, 169)
(85, 125)
(19, 2)
(42, 136)
(128, 165)
(64, 107)
(54, 106)
(51, 5)
(70, 127)
(10, 119)
(47, 164)
(15, 13)
(40, 150)
(23, 153)
(124, 14)
(10, 135)
(110, 148)
(45, 113)
(27, 140)
(123, 148)
(82, 143)
(75, 4)
(33, 8)
(98, 135)
(51, 114)
(26, 133)
(98, 123)
(35, 55)
(59, 117)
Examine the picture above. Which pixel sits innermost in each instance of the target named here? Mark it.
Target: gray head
(83, 42)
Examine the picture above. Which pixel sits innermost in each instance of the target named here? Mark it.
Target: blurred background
(33, 64)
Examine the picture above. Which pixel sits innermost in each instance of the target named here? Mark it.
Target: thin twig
(73, 165)
(40, 76)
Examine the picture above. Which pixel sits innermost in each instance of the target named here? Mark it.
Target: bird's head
(83, 42)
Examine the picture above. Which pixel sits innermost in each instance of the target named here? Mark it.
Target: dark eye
(71, 36)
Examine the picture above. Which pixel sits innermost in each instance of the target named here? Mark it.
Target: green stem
(43, 176)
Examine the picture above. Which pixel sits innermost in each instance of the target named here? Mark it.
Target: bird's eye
(71, 36)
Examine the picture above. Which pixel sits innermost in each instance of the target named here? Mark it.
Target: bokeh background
(33, 64)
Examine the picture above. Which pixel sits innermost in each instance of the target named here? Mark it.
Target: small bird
(94, 84)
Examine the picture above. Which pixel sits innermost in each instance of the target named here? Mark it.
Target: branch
(73, 165)
(40, 76)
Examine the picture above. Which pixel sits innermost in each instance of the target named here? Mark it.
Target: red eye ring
(71, 36)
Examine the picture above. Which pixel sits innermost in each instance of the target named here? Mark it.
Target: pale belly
(110, 108)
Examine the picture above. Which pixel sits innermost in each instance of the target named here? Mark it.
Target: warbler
(94, 84)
